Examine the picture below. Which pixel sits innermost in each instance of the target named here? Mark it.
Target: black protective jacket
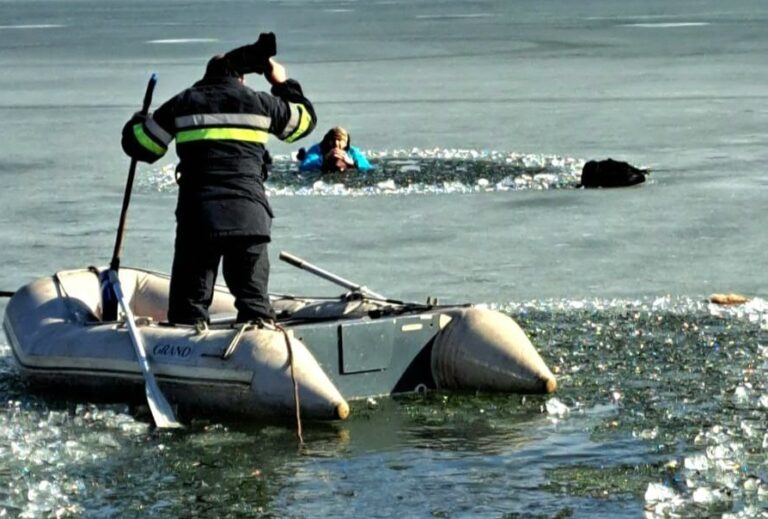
(221, 128)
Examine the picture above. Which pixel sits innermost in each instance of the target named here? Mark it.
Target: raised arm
(294, 118)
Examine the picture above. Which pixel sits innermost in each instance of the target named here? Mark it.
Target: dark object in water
(611, 173)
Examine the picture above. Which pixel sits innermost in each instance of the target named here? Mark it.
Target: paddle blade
(161, 410)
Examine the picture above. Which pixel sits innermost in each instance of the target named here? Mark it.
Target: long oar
(333, 278)
(161, 410)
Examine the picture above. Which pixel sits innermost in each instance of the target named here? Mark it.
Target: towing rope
(295, 385)
(261, 324)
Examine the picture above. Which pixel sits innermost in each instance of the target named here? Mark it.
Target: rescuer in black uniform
(221, 126)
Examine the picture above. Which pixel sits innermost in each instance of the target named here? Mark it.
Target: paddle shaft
(333, 278)
(115, 263)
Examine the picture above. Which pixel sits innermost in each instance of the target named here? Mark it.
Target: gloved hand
(254, 58)
(136, 118)
(266, 165)
(131, 146)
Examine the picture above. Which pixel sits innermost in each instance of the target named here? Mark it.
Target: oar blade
(161, 409)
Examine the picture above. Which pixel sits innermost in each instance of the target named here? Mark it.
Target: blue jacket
(314, 159)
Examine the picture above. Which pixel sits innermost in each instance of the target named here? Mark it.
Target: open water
(479, 115)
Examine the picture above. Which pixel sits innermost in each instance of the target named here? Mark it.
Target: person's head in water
(334, 147)
(335, 138)
(334, 153)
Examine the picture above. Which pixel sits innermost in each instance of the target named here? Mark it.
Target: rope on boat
(236, 340)
(260, 324)
(295, 385)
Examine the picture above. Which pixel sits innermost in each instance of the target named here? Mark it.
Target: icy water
(478, 116)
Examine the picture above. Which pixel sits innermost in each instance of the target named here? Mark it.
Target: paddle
(161, 410)
(6, 293)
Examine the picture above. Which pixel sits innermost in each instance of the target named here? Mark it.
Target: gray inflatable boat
(320, 354)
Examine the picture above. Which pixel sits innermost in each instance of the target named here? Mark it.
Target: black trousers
(195, 267)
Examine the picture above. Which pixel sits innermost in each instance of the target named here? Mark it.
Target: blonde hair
(335, 133)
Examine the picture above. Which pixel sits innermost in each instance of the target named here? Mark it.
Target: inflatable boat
(318, 355)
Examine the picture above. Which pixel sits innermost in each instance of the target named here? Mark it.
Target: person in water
(333, 153)
(221, 128)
